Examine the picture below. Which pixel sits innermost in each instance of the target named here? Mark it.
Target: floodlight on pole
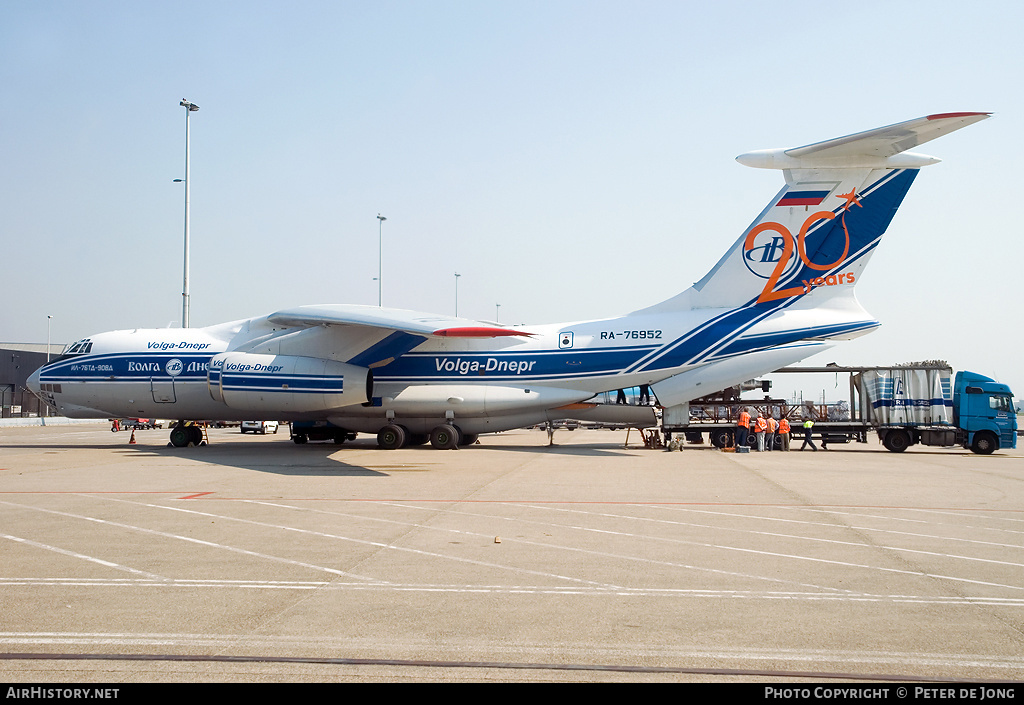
(380, 255)
(189, 108)
(48, 319)
(457, 275)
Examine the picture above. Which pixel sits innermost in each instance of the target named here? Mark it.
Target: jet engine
(286, 383)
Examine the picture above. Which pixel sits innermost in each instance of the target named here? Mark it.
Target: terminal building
(17, 362)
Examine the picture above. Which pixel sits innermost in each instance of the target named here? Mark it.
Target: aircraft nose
(33, 382)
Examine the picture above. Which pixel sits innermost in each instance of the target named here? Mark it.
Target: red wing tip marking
(478, 332)
(940, 116)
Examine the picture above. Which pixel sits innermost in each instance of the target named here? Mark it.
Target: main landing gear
(184, 435)
(446, 437)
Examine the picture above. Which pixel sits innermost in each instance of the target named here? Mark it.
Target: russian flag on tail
(802, 198)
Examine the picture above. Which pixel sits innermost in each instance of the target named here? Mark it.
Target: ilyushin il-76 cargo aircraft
(783, 291)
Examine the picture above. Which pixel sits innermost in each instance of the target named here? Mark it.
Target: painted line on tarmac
(189, 539)
(848, 564)
(80, 556)
(896, 519)
(847, 527)
(562, 547)
(724, 547)
(659, 651)
(547, 590)
(905, 660)
(375, 544)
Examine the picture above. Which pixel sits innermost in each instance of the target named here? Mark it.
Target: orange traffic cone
(131, 440)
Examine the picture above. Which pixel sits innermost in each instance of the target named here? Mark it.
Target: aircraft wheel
(984, 443)
(180, 436)
(445, 437)
(468, 439)
(391, 436)
(300, 438)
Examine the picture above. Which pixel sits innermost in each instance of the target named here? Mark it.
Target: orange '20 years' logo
(789, 244)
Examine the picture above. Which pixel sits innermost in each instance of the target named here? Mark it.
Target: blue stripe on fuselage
(124, 366)
(548, 364)
(303, 384)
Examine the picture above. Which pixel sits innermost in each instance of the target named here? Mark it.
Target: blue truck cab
(983, 410)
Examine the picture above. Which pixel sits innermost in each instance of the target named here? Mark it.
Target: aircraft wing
(391, 319)
(890, 140)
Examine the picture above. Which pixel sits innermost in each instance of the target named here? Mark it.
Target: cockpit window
(80, 347)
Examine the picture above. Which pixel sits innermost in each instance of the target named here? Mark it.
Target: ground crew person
(760, 428)
(808, 425)
(773, 426)
(784, 432)
(743, 427)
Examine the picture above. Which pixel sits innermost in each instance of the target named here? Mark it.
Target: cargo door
(163, 390)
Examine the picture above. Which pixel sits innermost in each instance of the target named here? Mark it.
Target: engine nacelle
(286, 383)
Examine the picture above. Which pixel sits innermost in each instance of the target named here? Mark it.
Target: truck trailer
(903, 405)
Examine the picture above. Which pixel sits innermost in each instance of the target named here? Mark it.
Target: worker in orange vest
(760, 428)
(769, 440)
(743, 427)
(784, 430)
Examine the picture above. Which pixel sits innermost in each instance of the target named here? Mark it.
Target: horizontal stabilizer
(883, 147)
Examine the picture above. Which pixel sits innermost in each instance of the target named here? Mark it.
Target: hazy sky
(570, 160)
